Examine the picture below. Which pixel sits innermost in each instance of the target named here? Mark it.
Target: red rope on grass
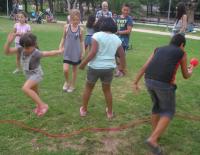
(77, 132)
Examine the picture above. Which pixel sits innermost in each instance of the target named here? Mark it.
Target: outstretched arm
(91, 54)
(52, 53)
(141, 73)
(7, 49)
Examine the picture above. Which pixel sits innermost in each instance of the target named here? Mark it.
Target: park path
(164, 33)
(189, 36)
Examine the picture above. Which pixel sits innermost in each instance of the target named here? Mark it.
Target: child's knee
(66, 70)
(25, 88)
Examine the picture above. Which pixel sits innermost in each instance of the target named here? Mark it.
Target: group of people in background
(106, 43)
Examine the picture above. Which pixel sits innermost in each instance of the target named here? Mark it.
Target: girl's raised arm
(7, 49)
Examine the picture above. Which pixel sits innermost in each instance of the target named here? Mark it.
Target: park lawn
(182, 137)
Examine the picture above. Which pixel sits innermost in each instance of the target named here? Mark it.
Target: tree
(191, 6)
(25, 4)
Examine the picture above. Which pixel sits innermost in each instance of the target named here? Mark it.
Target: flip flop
(156, 150)
(41, 111)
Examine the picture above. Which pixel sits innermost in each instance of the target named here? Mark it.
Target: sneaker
(17, 70)
(70, 89)
(109, 115)
(82, 112)
(65, 86)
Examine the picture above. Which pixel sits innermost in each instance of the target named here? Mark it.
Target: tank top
(72, 45)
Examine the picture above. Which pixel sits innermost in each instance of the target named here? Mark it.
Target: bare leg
(154, 121)
(18, 61)
(29, 91)
(158, 131)
(74, 76)
(108, 96)
(66, 72)
(86, 94)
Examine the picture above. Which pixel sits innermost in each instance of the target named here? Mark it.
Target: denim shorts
(105, 75)
(88, 40)
(163, 97)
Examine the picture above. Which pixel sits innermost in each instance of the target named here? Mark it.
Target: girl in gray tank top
(72, 42)
(30, 60)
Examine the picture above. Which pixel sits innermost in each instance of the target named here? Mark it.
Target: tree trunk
(68, 5)
(191, 7)
(36, 4)
(41, 5)
(25, 3)
(74, 5)
(51, 5)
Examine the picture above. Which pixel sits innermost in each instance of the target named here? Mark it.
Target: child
(30, 60)
(160, 71)
(180, 25)
(101, 64)
(20, 28)
(73, 44)
(90, 31)
(124, 29)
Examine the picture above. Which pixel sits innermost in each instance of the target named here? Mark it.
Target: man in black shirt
(160, 71)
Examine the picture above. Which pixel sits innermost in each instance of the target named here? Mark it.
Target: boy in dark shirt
(124, 29)
(160, 71)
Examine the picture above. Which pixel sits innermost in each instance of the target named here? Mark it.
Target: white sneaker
(65, 86)
(70, 89)
(17, 70)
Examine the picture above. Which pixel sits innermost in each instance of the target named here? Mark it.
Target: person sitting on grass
(160, 71)
(101, 64)
(30, 57)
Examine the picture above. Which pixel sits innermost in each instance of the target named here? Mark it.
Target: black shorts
(71, 62)
(163, 97)
(105, 75)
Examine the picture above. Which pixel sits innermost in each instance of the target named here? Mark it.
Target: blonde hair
(75, 12)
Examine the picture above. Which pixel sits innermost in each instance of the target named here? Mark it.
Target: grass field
(182, 137)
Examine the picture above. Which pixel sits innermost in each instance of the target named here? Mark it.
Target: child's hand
(61, 50)
(18, 34)
(11, 37)
(82, 66)
(135, 87)
(190, 69)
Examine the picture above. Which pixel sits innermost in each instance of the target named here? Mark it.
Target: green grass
(182, 137)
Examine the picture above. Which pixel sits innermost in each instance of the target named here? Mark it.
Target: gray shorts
(163, 97)
(105, 75)
(37, 77)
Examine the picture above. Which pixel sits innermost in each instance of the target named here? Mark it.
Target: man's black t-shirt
(164, 64)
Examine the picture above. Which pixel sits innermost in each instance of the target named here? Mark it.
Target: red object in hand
(194, 62)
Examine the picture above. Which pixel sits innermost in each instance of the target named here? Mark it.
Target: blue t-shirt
(108, 44)
(122, 24)
(101, 13)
